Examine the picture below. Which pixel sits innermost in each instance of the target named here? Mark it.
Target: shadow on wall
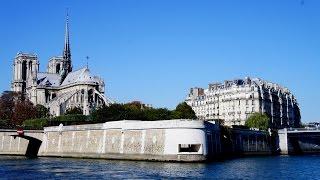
(294, 141)
(304, 144)
(33, 146)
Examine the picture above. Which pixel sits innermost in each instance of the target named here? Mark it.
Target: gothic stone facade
(234, 100)
(59, 88)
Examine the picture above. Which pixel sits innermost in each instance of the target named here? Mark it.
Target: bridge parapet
(294, 130)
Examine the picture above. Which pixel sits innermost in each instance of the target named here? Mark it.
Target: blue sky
(155, 50)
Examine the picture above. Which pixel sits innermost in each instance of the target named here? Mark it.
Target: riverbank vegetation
(258, 121)
(17, 111)
(114, 112)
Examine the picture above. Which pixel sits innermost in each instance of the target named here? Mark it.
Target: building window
(30, 66)
(58, 68)
(24, 70)
(189, 147)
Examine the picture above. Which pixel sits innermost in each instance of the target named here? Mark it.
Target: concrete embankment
(250, 142)
(299, 141)
(174, 140)
(168, 140)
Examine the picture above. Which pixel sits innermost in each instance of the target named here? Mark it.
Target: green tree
(183, 111)
(113, 112)
(258, 120)
(5, 123)
(162, 114)
(153, 114)
(15, 108)
(99, 114)
(42, 111)
(134, 111)
(23, 110)
(74, 110)
(7, 101)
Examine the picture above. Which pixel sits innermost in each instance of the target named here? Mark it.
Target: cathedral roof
(82, 75)
(48, 79)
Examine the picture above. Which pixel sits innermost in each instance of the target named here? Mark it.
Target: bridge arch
(33, 145)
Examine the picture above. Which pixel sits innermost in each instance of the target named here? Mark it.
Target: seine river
(275, 167)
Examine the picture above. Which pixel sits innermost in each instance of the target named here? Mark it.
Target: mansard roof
(248, 81)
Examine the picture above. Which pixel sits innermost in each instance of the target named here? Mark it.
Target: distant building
(234, 100)
(59, 88)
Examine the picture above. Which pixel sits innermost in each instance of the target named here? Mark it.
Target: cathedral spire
(66, 51)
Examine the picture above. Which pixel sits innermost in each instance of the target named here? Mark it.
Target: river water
(267, 167)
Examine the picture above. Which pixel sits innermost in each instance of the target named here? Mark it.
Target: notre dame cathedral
(59, 88)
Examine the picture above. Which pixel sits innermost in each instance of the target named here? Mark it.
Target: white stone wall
(157, 140)
(166, 140)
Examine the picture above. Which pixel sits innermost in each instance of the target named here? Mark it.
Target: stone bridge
(299, 141)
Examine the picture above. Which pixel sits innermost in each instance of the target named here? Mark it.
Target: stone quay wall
(12, 144)
(166, 140)
(250, 142)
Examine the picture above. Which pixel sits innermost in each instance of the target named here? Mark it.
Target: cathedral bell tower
(25, 68)
(66, 63)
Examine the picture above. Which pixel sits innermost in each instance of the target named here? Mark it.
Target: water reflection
(288, 167)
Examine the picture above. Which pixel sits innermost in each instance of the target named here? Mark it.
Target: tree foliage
(5, 123)
(42, 111)
(35, 123)
(74, 110)
(136, 111)
(183, 111)
(70, 119)
(15, 109)
(23, 110)
(7, 104)
(157, 114)
(117, 112)
(258, 120)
